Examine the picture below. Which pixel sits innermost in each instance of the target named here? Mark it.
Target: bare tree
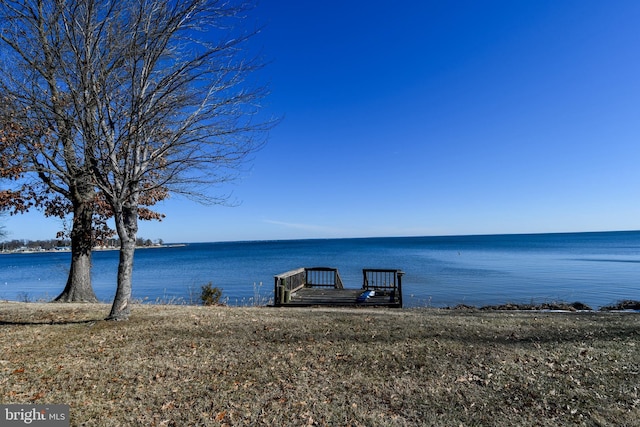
(48, 123)
(43, 149)
(176, 115)
(126, 102)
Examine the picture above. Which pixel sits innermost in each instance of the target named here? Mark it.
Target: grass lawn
(193, 365)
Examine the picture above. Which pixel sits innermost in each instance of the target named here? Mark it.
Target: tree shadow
(48, 322)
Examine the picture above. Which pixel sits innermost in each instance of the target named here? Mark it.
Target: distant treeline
(53, 244)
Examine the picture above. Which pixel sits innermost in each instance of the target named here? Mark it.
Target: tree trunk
(78, 287)
(127, 227)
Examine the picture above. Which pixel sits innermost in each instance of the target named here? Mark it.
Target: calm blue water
(594, 268)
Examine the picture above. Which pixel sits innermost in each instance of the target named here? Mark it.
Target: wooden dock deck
(306, 297)
(322, 286)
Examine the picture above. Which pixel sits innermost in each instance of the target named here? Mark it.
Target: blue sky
(429, 118)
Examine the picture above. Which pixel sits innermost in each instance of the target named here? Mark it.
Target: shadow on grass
(47, 322)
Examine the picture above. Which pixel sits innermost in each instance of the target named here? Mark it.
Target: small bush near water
(210, 295)
(215, 366)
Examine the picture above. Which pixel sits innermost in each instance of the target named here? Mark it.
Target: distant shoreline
(97, 249)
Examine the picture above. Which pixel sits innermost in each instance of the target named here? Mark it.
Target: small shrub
(210, 294)
(24, 297)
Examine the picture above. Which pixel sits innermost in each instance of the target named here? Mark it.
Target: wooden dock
(323, 286)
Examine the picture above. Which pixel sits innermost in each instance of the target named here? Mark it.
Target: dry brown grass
(187, 366)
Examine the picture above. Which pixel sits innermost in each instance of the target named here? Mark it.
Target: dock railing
(315, 277)
(286, 283)
(385, 282)
(323, 277)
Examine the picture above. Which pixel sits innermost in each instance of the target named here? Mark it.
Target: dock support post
(282, 288)
(400, 274)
